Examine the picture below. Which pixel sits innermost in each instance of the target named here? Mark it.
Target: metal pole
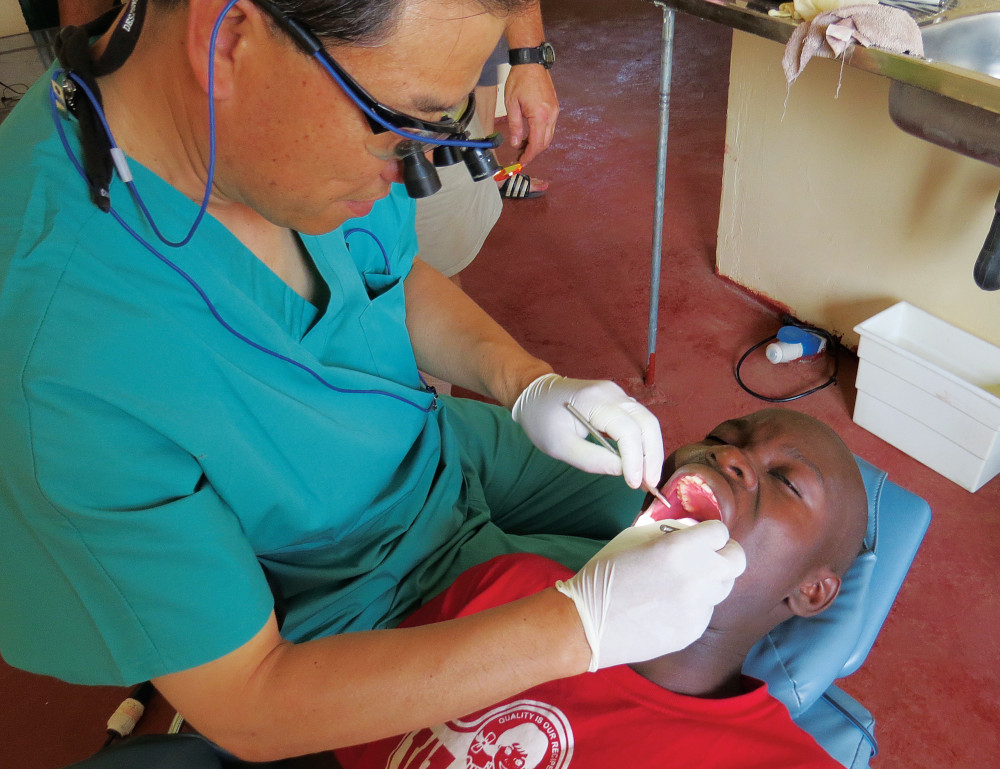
(666, 65)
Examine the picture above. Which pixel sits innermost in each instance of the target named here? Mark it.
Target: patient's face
(786, 487)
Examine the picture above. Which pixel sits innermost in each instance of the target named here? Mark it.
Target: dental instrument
(608, 445)
(677, 525)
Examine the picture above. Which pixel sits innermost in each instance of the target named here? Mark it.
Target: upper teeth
(683, 490)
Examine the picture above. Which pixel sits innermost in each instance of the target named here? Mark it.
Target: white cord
(176, 724)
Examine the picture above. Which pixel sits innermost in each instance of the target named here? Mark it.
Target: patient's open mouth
(694, 496)
(690, 497)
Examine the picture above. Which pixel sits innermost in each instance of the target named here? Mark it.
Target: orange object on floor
(507, 171)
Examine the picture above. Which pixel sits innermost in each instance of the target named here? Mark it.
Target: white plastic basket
(931, 390)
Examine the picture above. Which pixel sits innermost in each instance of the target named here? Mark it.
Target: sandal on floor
(519, 186)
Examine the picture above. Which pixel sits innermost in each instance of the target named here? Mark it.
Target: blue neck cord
(207, 300)
(190, 280)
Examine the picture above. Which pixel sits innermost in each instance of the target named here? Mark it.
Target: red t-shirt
(610, 719)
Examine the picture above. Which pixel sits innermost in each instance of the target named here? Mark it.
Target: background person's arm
(271, 699)
(529, 94)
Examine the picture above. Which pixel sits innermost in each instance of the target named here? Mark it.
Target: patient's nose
(737, 465)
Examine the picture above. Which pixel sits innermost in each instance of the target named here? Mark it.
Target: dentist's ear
(815, 594)
(244, 23)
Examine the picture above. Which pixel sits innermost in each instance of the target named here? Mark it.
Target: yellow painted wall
(830, 209)
(11, 20)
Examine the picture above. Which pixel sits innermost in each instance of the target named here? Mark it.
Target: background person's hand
(532, 109)
(541, 411)
(646, 593)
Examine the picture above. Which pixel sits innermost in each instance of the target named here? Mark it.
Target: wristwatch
(543, 54)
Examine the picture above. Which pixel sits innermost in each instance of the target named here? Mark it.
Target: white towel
(829, 35)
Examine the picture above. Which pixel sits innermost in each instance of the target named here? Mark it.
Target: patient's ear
(814, 595)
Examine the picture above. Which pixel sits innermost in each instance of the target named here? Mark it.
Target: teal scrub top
(152, 459)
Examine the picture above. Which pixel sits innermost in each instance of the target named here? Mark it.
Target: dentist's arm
(271, 699)
(454, 339)
(644, 595)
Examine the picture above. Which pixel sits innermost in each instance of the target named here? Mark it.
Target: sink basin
(972, 43)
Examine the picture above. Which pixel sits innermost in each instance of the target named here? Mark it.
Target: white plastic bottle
(793, 343)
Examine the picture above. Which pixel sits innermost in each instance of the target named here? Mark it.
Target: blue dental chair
(801, 658)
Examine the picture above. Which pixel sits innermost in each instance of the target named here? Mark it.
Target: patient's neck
(710, 667)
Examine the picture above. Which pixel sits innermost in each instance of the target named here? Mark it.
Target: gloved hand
(541, 411)
(647, 593)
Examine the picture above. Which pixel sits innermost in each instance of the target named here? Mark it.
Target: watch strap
(542, 54)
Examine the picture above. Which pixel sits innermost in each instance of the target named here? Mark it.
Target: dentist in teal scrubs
(220, 469)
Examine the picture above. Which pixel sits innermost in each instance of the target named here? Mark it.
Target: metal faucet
(987, 269)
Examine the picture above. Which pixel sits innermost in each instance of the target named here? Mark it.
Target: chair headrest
(803, 656)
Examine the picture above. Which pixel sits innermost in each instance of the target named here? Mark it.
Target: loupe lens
(447, 156)
(482, 163)
(419, 176)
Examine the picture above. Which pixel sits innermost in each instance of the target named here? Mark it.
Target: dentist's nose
(733, 462)
(392, 171)
(383, 147)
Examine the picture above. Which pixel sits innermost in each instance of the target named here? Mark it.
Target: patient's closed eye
(780, 475)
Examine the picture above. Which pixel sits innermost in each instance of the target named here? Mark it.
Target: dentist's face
(298, 150)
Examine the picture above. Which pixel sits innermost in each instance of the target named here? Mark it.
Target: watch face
(548, 54)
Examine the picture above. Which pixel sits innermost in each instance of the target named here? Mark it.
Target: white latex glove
(541, 411)
(647, 593)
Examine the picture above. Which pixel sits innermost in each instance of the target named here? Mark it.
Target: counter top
(961, 84)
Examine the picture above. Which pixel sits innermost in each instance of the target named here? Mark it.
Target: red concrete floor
(567, 274)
